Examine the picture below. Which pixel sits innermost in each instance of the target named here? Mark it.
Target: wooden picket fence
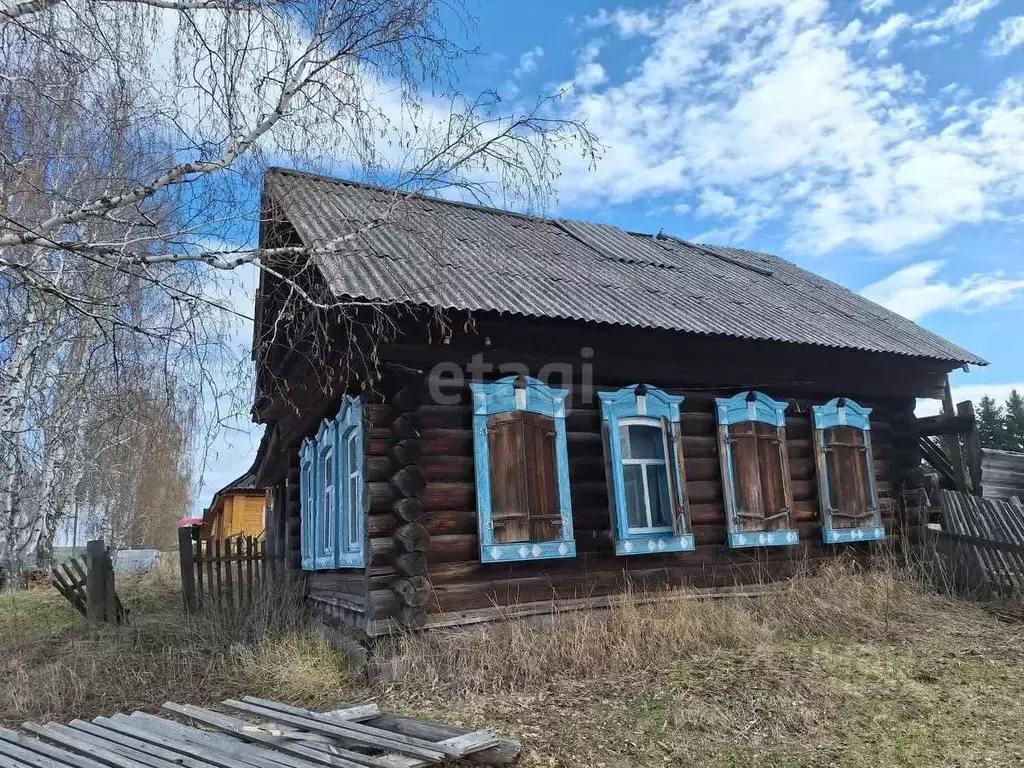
(225, 574)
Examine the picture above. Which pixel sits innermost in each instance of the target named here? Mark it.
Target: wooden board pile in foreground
(266, 734)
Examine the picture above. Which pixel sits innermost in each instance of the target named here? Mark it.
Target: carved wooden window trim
(755, 419)
(847, 487)
(521, 395)
(641, 404)
(332, 524)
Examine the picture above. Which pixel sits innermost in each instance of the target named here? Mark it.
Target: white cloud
(589, 73)
(1009, 36)
(773, 104)
(628, 22)
(890, 28)
(917, 290)
(528, 61)
(959, 16)
(874, 6)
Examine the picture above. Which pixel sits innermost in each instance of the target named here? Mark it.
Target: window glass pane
(645, 442)
(352, 452)
(661, 501)
(636, 511)
(353, 511)
(329, 469)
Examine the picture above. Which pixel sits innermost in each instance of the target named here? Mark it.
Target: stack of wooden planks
(262, 733)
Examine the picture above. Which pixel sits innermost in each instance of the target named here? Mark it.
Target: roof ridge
(415, 195)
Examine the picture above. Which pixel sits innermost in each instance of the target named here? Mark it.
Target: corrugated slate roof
(459, 256)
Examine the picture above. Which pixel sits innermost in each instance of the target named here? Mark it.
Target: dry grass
(846, 667)
(55, 667)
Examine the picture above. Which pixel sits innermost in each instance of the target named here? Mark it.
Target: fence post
(186, 555)
(96, 581)
(972, 447)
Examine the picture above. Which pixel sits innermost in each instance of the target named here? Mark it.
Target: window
(645, 470)
(331, 491)
(847, 491)
(755, 470)
(522, 470)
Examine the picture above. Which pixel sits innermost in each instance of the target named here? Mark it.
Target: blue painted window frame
(844, 412)
(751, 406)
(650, 405)
(333, 537)
(503, 396)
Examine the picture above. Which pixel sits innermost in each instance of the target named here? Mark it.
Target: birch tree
(136, 136)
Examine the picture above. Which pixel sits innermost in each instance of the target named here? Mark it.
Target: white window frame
(328, 500)
(353, 479)
(644, 421)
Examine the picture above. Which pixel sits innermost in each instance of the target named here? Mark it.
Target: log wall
(453, 583)
(423, 565)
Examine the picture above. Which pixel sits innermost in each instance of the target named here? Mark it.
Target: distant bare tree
(136, 133)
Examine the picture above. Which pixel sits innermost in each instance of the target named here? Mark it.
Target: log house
(530, 409)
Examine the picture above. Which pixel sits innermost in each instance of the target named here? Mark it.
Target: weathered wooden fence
(88, 584)
(225, 573)
(980, 549)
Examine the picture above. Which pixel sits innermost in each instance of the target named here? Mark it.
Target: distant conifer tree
(1015, 421)
(991, 424)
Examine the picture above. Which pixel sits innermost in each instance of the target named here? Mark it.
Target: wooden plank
(186, 558)
(200, 563)
(18, 757)
(374, 737)
(972, 446)
(464, 743)
(40, 754)
(132, 744)
(72, 740)
(253, 753)
(229, 586)
(212, 596)
(213, 744)
(952, 442)
(247, 731)
(250, 554)
(504, 753)
(91, 741)
(190, 744)
(96, 585)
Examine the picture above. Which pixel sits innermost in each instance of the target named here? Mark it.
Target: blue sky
(877, 142)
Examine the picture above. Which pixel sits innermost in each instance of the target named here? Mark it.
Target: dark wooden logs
(406, 486)
(406, 452)
(413, 591)
(408, 481)
(412, 537)
(404, 427)
(411, 563)
(409, 509)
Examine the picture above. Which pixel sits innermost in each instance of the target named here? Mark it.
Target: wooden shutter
(541, 469)
(760, 475)
(846, 460)
(525, 504)
(509, 508)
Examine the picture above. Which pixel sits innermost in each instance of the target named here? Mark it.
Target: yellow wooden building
(237, 508)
